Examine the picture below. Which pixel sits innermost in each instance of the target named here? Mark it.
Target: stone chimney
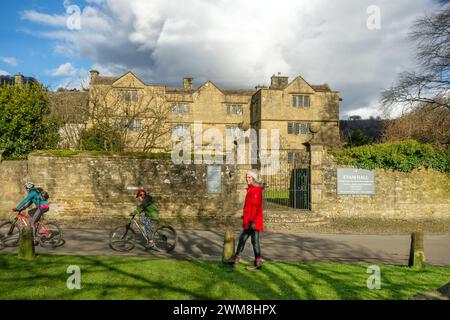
(94, 74)
(18, 79)
(278, 81)
(187, 83)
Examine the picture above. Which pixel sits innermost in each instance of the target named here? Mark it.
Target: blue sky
(234, 43)
(24, 50)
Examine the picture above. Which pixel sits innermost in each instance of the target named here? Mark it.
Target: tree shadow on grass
(127, 278)
(262, 284)
(138, 277)
(37, 275)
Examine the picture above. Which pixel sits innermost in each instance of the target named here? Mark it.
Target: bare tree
(130, 118)
(430, 83)
(426, 123)
(69, 107)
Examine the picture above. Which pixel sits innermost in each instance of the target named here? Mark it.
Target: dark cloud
(242, 43)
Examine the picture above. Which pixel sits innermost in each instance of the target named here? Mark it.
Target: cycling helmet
(141, 192)
(29, 185)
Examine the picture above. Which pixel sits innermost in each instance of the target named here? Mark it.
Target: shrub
(25, 121)
(94, 139)
(402, 156)
(358, 138)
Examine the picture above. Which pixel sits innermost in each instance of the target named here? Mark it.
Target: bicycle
(124, 238)
(48, 234)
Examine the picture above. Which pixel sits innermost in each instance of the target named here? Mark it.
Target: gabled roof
(298, 78)
(207, 83)
(317, 88)
(103, 80)
(133, 75)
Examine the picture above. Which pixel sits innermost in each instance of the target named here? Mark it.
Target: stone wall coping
(86, 155)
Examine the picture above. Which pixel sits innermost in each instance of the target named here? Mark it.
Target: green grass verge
(145, 278)
(276, 194)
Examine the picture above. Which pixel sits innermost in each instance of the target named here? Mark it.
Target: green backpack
(152, 211)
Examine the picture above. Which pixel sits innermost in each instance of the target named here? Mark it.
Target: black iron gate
(299, 189)
(287, 186)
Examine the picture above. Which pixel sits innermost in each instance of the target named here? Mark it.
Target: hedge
(402, 156)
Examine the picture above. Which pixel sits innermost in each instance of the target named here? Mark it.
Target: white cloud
(79, 82)
(72, 77)
(64, 70)
(45, 19)
(4, 73)
(9, 61)
(244, 42)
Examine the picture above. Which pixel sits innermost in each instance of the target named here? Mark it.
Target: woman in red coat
(253, 219)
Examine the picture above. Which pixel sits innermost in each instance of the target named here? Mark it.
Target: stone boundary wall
(95, 190)
(88, 190)
(421, 194)
(12, 176)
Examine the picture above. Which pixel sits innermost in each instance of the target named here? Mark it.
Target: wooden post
(26, 245)
(228, 246)
(416, 253)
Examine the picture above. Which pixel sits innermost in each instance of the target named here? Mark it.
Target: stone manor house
(308, 182)
(303, 113)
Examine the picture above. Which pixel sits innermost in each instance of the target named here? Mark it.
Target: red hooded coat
(253, 208)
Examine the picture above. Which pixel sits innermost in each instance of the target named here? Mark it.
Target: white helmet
(29, 185)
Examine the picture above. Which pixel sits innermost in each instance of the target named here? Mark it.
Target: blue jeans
(148, 224)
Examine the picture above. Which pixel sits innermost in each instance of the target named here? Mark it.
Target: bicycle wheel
(122, 239)
(165, 238)
(10, 234)
(49, 234)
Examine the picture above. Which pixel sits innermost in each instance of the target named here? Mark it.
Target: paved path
(276, 246)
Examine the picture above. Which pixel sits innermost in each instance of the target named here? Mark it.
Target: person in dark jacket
(252, 220)
(150, 212)
(33, 197)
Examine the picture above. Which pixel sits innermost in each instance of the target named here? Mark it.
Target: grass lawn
(144, 278)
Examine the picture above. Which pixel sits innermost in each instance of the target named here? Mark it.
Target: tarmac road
(276, 246)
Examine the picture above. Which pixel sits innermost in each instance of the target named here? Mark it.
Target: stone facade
(317, 120)
(260, 108)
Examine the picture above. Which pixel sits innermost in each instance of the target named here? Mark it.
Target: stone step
(300, 216)
(290, 225)
(294, 216)
(295, 221)
(297, 217)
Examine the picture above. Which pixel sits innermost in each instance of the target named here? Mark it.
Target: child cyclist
(33, 197)
(150, 212)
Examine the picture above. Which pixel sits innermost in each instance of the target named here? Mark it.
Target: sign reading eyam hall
(355, 181)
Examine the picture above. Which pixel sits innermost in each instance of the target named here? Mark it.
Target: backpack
(42, 194)
(152, 212)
